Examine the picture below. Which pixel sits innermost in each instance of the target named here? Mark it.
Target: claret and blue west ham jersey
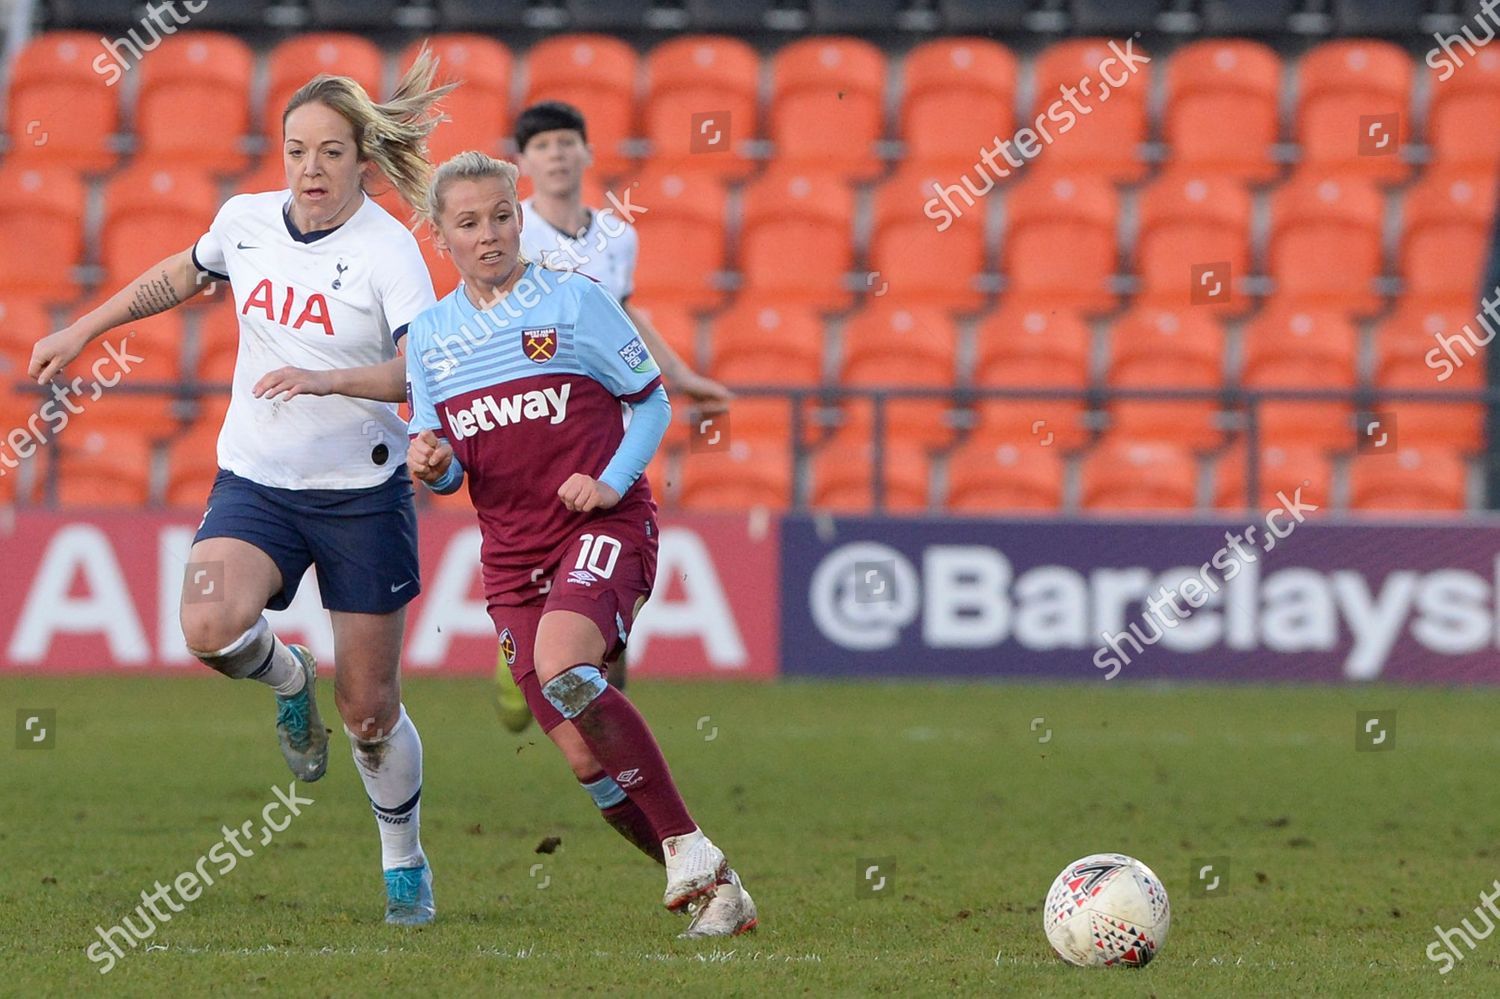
(527, 393)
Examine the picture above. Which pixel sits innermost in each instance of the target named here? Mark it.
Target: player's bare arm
(384, 382)
(675, 370)
(164, 286)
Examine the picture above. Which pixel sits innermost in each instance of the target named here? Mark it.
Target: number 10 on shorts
(597, 555)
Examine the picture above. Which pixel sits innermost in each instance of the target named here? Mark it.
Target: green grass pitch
(1340, 862)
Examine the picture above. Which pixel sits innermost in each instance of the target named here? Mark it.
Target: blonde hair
(468, 165)
(392, 135)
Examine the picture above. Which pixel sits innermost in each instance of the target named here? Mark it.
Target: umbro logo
(242, 245)
(582, 577)
(628, 778)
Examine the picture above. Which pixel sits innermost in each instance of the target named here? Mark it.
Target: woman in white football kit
(325, 282)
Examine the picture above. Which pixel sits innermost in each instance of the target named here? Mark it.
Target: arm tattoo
(152, 296)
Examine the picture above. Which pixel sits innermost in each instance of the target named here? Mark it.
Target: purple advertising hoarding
(1090, 600)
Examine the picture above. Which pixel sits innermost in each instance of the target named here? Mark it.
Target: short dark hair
(546, 117)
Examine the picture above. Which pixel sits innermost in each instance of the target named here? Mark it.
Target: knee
(208, 628)
(571, 691)
(369, 714)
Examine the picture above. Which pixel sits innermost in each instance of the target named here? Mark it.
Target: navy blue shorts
(363, 541)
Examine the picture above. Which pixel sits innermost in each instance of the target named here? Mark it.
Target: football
(1107, 910)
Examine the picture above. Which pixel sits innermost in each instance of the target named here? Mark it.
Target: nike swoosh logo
(398, 589)
(242, 246)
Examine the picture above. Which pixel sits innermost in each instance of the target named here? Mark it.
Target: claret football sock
(624, 815)
(622, 742)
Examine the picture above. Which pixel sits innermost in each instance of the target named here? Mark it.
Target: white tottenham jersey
(606, 251)
(322, 301)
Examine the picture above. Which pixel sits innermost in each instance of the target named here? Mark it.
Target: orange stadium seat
(1417, 328)
(674, 324)
(1282, 469)
(479, 110)
(894, 347)
(1458, 424)
(843, 476)
(746, 475)
(958, 97)
(1445, 239)
(23, 321)
(1463, 119)
(1032, 345)
(154, 347)
(797, 238)
(302, 57)
(151, 213)
(62, 110)
(1125, 476)
(661, 476)
(1162, 349)
(701, 104)
(677, 327)
(763, 344)
(1408, 481)
(192, 464)
(218, 334)
(757, 343)
(17, 401)
(1325, 243)
(194, 103)
(268, 175)
(1060, 241)
(681, 235)
(995, 478)
(1354, 108)
(827, 105)
(1222, 108)
(597, 74)
(1191, 225)
(41, 231)
(1106, 140)
(103, 469)
(916, 260)
(1287, 347)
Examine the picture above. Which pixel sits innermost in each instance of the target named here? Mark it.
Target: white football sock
(258, 655)
(284, 675)
(391, 768)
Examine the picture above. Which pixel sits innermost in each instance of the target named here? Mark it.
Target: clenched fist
(582, 493)
(428, 456)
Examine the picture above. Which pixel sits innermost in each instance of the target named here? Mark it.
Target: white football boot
(694, 867)
(728, 912)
